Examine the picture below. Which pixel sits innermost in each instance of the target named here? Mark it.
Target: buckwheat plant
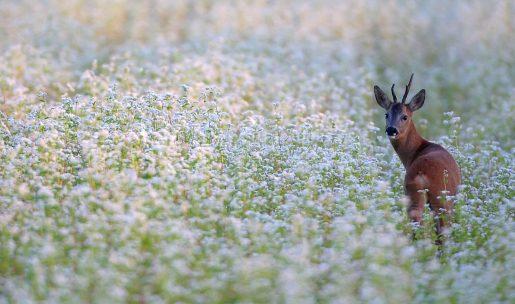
(231, 152)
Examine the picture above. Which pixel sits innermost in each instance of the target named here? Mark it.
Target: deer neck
(408, 145)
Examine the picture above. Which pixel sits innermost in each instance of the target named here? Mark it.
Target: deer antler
(407, 89)
(393, 94)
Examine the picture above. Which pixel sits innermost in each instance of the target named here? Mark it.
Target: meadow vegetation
(231, 151)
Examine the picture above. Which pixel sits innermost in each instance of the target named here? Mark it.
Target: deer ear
(417, 101)
(381, 98)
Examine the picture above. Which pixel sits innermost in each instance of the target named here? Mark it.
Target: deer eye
(386, 115)
(405, 117)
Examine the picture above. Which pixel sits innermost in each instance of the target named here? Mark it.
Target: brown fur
(428, 166)
(431, 171)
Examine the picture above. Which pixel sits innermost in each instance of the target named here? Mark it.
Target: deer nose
(391, 131)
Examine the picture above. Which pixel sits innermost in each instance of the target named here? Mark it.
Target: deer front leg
(417, 199)
(440, 209)
(416, 204)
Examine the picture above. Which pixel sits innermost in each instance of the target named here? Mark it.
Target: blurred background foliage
(460, 51)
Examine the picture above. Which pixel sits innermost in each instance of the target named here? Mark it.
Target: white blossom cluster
(225, 151)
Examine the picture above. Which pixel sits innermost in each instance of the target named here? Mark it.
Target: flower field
(232, 151)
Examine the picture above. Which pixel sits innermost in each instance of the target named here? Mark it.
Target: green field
(232, 151)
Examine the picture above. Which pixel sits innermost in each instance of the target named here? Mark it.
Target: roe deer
(431, 171)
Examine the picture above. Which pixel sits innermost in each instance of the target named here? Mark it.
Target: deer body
(431, 171)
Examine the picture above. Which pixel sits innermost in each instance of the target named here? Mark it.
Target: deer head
(398, 114)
